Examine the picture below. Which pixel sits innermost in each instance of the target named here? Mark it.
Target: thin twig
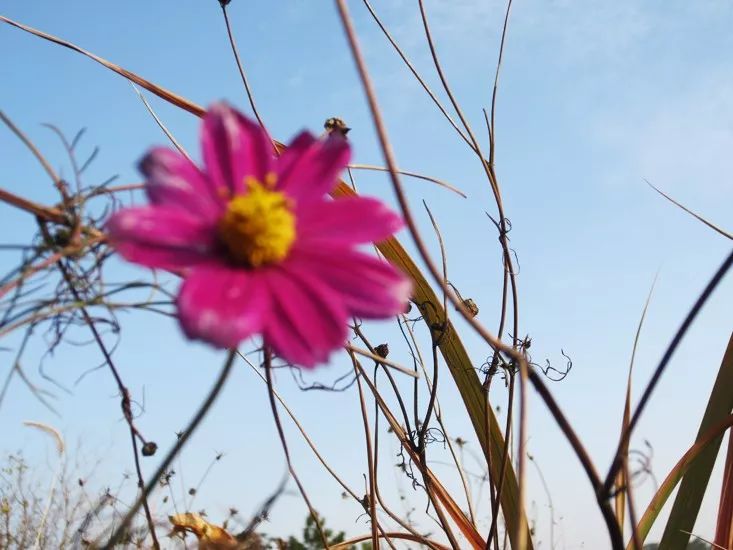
(240, 67)
(410, 174)
(492, 131)
(124, 392)
(372, 508)
(690, 212)
(674, 344)
(283, 441)
(28, 143)
(303, 432)
(175, 450)
(382, 360)
(160, 124)
(417, 76)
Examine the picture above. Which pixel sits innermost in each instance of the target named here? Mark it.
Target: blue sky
(594, 98)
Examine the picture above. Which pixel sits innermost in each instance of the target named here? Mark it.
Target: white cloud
(679, 140)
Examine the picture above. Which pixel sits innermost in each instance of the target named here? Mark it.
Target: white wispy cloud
(680, 140)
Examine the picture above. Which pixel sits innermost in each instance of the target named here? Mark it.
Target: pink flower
(261, 247)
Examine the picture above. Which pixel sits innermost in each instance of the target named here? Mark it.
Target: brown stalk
(508, 263)
(370, 354)
(312, 445)
(691, 213)
(283, 441)
(371, 458)
(160, 124)
(437, 492)
(410, 174)
(28, 143)
(417, 76)
(240, 67)
(404, 536)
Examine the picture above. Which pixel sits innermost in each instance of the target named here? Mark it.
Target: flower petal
(369, 287)
(348, 220)
(222, 305)
(234, 148)
(161, 236)
(307, 320)
(173, 180)
(309, 168)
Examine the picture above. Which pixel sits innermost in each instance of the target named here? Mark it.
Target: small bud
(471, 306)
(150, 448)
(382, 350)
(335, 124)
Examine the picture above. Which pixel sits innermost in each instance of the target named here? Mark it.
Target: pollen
(258, 227)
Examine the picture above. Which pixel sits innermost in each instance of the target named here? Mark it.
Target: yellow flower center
(258, 227)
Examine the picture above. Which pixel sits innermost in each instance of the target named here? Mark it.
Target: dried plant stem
(161, 92)
(44, 212)
(381, 360)
(406, 211)
(431, 404)
(548, 493)
(492, 127)
(160, 124)
(691, 213)
(408, 445)
(283, 441)
(175, 450)
(398, 395)
(495, 498)
(242, 74)
(405, 536)
(590, 470)
(387, 510)
(399, 191)
(372, 504)
(412, 344)
(124, 392)
(487, 166)
(31, 146)
(699, 303)
(417, 76)
(409, 174)
(306, 437)
(454, 456)
(30, 271)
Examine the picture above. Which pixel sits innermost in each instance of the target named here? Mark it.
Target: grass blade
(621, 485)
(723, 531)
(696, 476)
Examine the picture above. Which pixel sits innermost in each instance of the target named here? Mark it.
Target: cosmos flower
(261, 247)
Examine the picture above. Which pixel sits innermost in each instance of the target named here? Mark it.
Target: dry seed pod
(335, 124)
